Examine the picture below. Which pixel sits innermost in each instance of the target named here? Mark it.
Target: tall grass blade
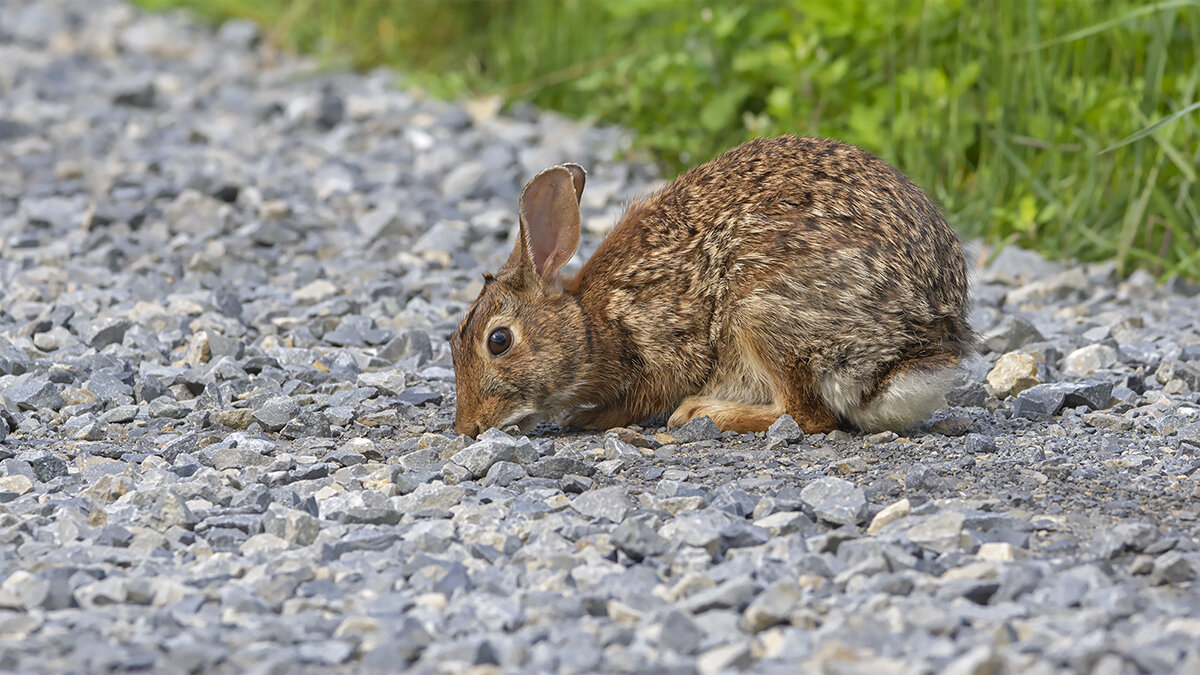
(1111, 23)
(1135, 137)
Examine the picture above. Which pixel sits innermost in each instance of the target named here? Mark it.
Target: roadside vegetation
(1069, 126)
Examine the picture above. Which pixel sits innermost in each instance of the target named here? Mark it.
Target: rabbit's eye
(499, 341)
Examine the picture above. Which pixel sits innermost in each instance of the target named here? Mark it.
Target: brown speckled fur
(790, 274)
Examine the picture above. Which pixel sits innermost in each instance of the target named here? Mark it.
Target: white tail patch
(906, 400)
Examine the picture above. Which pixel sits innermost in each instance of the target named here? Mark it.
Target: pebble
(698, 429)
(227, 407)
(1089, 359)
(785, 429)
(1013, 373)
(835, 501)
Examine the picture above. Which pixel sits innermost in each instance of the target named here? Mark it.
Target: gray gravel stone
(228, 280)
(34, 394)
(1172, 567)
(679, 633)
(940, 532)
(638, 541)
(105, 332)
(610, 503)
(276, 412)
(699, 429)
(557, 467)
(786, 429)
(238, 457)
(479, 457)
(921, 478)
(835, 501)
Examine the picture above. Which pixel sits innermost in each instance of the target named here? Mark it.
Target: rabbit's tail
(910, 393)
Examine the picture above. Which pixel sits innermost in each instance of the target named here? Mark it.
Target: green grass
(1072, 127)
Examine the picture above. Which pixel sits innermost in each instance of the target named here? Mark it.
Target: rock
(980, 660)
(922, 479)
(735, 657)
(733, 594)
(390, 383)
(219, 345)
(783, 523)
(878, 438)
(263, 542)
(1011, 333)
(638, 541)
(1186, 373)
(453, 474)
(46, 466)
(1014, 372)
(1049, 399)
(785, 429)
(1093, 394)
(996, 551)
(24, 591)
(504, 474)
(773, 606)
(1107, 422)
(889, 514)
(1087, 360)
(140, 95)
(1172, 567)
(171, 511)
(679, 633)
(698, 429)
(940, 532)
(329, 115)
(36, 394)
(557, 467)
(1042, 400)
(479, 457)
(291, 525)
(110, 591)
(610, 503)
(276, 412)
(951, 425)
(835, 500)
(572, 484)
(978, 444)
(238, 33)
(849, 465)
(315, 291)
(238, 457)
(18, 484)
(105, 332)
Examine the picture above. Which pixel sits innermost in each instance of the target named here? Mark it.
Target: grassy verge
(1072, 127)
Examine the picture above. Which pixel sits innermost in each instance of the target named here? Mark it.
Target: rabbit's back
(814, 252)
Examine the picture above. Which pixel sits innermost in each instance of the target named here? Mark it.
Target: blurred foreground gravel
(226, 405)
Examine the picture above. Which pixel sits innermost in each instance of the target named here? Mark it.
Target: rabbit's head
(519, 351)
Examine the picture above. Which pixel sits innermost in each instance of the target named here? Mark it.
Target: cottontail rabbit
(789, 275)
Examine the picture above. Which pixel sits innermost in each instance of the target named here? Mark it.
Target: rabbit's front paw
(727, 415)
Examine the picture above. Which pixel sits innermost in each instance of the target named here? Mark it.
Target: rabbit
(789, 275)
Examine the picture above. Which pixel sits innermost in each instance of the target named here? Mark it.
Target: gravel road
(227, 278)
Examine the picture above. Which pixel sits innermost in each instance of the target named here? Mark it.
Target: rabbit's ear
(578, 178)
(550, 219)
